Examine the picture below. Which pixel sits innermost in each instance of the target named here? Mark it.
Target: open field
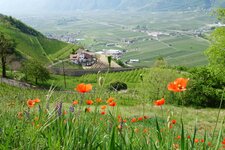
(95, 30)
(56, 122)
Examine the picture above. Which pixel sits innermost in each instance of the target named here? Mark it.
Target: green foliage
(7, 47)
(109, 60)
(155, 83)
(31, 43)
(35, 70)
(205, 88)
(22, 27)
(117, 86)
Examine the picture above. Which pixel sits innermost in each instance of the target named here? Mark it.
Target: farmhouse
(83, 58)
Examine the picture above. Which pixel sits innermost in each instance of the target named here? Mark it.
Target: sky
(15, 6)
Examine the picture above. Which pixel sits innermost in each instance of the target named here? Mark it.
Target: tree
(35, 70)
(216, 52)
(109, 60)
(7, 47)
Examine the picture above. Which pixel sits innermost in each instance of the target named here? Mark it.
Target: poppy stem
(162, 111)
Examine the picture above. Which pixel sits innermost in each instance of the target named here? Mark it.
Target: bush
(117, 86)
(205, 88)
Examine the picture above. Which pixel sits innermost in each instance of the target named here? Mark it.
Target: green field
(181, 47)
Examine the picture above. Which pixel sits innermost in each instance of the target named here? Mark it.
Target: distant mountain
(154, 5)
(32, 44)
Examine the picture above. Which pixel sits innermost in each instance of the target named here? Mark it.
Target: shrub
(205, 88)
(117, 86)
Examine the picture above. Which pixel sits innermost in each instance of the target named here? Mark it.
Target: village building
(83, 58)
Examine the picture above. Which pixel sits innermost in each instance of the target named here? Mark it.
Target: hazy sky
(14, 6)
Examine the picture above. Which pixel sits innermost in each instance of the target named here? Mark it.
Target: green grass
(50, 127)
(36, 47)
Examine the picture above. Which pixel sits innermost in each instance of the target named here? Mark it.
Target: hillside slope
(31, 43)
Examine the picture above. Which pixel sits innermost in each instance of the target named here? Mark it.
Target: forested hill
(32, 44)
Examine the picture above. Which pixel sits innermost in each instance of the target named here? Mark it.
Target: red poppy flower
(83, 88)
(160, 102)
(140, 119)
(178, 137)
(188, 136)
(110, 100)
(223, 142)
(145, 130)
(75, 102)
(202, 140)
(112, 104)
(178, 85)
(173, 121)
(103, 113)
(30, 103)
(89, 102)
(37, 100)
(103, 107)
(196, 140)
(133, 120)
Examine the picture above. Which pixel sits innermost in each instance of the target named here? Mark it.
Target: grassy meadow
(77, 118)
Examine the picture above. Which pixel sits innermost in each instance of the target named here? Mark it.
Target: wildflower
(30, 103)
(59, 109)
(178, 137)
(140, 119)
(119, 126)
(178, 85)
(209, 143)
(133, 120)
(223, 142)
(103, 112)
(160, 102)
(89, 102)
(110, 100)
(37, 100)
(64, 112)
(145, 130)
(145, 117)
(71, 109)
(196, 140)
(98, 100)
(88, 109)
(20, 115)
(112, 104)
(173, 121)
(124, 120)
(75, 102)
(202, 140)
(188, 136)
(83, 88)
(103, 107)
